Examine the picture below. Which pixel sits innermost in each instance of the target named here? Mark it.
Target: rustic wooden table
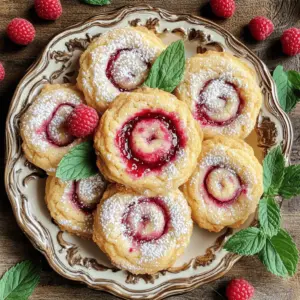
(14, 246)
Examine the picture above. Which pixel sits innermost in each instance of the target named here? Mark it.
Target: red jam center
(150, 140)
(219, 104)
(56, 131)
(147, 220)
(127, 69)
(222, 185)
(85, 196)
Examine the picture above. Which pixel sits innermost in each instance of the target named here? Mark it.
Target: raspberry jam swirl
(222, 185)
(86, 193)
(146, 220)
(127, 69)
(150, 140)
(56, 130)
(219, 103)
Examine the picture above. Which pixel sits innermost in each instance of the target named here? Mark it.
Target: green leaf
(246, 242)
(290, 186)
(19, 282)
(168, 69)
(286, 95)
(78, 163)
(294, 78)
(96, 2)
(269, 216)
(273, 170)
(280, 255)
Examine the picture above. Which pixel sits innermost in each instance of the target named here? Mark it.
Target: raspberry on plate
(239, 289)
(82, 121)
(48, 9)
(20, 31)
(2, 72)
(290, 41)
(260, 28)
(223, 8)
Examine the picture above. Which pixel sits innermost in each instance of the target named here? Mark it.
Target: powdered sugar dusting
(40, 112)
(220, 88)
(114, 208)
(91, 189)
(100, 56)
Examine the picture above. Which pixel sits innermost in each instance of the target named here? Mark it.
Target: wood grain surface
(14, 245)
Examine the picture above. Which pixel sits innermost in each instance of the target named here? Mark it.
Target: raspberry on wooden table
(239, 289)
(2, 72)
(82, 121)
(290, 41)
(20, 31)
(48, 9)
(223, 8)
(260, 28)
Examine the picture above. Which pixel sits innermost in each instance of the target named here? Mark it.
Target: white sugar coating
(114, 208)
(218, 87)
(100, 56)
(70, 215)
(40, 112)
(91, 189)
(171, 168)
(57, 127)
(218, 157)
(130, 70)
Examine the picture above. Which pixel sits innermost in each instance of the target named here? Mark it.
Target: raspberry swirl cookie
(71, 204)
(226, 185)
(148, 140)
(43, 126)
(222, 93)
(118, 61)
(142, 234)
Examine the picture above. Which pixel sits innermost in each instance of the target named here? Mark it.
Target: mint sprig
(269, 216)
(286, 83)
(274, 246)
(78, 163)
(290, 186)
(19, 282)
(96, 2)
(273, 169)
(248, 241)
(168, 69)
(280, 255)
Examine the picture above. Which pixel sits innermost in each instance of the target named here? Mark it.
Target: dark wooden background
(15, 247)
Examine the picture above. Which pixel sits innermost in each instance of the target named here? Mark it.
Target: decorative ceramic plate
(204, 260)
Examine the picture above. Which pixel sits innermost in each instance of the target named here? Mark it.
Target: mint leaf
(269, 216)
(290, 186)
(19, 282)
(246, 242)
(273, 170)
(280, 255)
(286, 96)
(78, 163)
(294, 78)
(96, 2)
(168, 69)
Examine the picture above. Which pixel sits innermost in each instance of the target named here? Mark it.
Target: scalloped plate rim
(162, 290)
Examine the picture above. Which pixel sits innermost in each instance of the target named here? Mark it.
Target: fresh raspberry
(82, 121)
(20, 31)
(48, 9)
(223, 8)
(290, 41)
(261, 28)
(2, 72)
(239, 289)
